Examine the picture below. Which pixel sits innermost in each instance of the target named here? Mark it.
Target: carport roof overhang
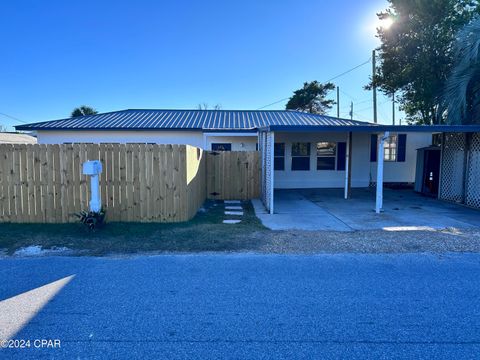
(373, 128)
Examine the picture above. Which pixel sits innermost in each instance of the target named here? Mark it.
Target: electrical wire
(13, 118)
(331, 79)
(365, 108)
(363, 101)
(350, 96)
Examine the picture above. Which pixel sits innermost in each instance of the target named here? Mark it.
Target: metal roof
(207, 120)
(229, 120)
(377, 128)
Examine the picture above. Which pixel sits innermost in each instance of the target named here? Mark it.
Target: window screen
(326, 155)
(390, 148)
(300, 156)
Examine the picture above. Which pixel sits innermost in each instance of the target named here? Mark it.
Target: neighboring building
(16, 138)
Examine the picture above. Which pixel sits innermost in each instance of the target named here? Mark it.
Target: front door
(431, 172)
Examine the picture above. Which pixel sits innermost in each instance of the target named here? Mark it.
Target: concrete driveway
(325, 209)
(244, 306)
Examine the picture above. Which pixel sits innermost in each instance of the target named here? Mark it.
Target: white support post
(347, 161)
(94, 169)
(95, 201)
(379, 197)
(272, 170)
(261, 148)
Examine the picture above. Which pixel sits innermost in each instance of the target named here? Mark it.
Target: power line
(13, 118)
(365, 108)
(348, 71)
(331, 79)
(350, 96)
(384, 102)
(276, 102)
(361, 117)
(363, 101)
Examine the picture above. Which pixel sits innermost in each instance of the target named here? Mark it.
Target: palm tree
(461, 97)
(83, 110)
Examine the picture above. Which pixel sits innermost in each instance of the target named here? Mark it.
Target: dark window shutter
(373, 148)
(402, 147)
(341, 155)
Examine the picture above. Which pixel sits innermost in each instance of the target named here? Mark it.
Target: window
(390, 148)
(437, 139)
(279, 156)
(301, 156)
(221, 147)
(395, 148)
(326, 155)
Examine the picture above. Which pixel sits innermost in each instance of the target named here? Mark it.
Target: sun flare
(384, 24)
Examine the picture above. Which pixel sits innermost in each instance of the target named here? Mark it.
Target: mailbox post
(94, 169)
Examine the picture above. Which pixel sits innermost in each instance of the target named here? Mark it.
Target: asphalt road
(244, 306)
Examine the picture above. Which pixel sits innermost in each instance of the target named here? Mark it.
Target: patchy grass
(205, 232)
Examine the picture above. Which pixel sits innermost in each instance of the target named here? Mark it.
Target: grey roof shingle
(132, 119)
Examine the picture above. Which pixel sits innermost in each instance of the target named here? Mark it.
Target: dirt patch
(372, 241)
(37, 250)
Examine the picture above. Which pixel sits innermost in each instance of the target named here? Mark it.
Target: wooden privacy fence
(233, 175)
(139, 182)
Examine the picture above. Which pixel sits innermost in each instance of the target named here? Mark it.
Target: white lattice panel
(265, 146)
(453, 167)
(261, 148)
(472, 188)
(269, 169)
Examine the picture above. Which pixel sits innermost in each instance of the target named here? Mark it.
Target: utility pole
(338, 102)
(374, 88)
(393, 108)
(351, 110)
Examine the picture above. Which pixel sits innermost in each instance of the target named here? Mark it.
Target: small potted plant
(93, 220)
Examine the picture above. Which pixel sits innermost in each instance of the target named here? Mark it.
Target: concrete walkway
(233, 210)
(325, 209)
(295, 212)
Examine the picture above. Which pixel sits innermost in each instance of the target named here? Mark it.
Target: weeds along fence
(139, 182)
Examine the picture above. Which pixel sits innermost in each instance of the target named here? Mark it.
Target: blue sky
(115, 55)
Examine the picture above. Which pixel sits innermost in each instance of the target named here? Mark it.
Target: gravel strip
(373, 241)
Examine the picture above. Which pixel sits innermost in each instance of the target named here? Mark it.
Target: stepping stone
(233, 208)
(231, 201)
(240, 213)
(231, 221)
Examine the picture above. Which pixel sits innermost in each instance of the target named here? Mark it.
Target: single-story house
(16, 138)
(299, 150)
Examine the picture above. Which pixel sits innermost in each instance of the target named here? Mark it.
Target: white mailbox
(94, 168)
